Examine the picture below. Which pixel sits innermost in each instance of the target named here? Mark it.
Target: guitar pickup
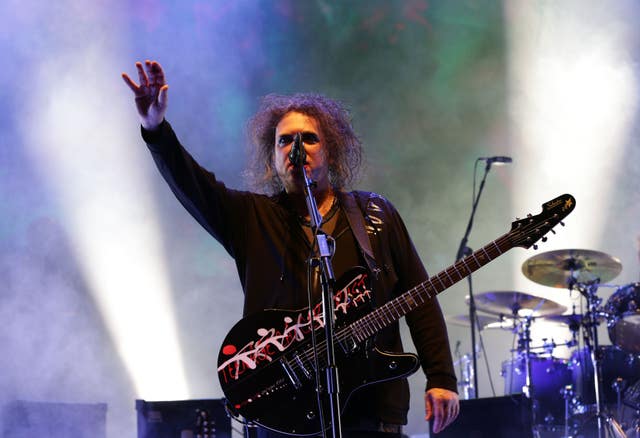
(295, 381)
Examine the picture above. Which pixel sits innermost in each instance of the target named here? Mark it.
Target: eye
(310, 138)
(285, 140)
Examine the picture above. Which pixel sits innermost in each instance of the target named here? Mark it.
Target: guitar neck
(395, 309)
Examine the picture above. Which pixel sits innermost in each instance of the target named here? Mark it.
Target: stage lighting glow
(572, 97)
(87, 153)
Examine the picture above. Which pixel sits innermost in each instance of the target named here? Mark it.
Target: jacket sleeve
(216, 208)
(426, 323)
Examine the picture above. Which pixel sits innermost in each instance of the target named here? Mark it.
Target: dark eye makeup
(307, 138)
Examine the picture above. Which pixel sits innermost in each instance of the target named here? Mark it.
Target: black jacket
(265, 238)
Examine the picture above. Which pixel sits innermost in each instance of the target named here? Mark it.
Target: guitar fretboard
(395, 309)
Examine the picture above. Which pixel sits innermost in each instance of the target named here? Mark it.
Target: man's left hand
(442, 406)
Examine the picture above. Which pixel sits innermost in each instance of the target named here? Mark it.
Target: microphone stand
(327, 280)
(464, 251)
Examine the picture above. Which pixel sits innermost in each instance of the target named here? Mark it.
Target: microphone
(501, 160)
(297, 154)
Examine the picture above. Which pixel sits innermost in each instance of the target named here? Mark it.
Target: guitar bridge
(295, 381)
(349, 345)
(304, 369)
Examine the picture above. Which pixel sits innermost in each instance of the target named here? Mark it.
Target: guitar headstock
(526, 232)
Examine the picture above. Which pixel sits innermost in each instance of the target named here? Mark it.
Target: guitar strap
(356, 218)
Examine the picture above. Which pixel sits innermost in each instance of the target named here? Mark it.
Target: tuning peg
(562, 223)
(553, 231)
(544, 239)
(535, 247)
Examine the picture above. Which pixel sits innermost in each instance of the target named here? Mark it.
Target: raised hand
(151, 94)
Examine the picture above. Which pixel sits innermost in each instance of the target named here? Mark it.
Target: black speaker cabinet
(27, 419)
(496, 417)
(183, 419)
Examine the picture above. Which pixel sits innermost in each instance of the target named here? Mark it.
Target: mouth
(292, 168)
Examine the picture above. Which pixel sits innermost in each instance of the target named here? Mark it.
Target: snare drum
(548, 377)
(623, 308)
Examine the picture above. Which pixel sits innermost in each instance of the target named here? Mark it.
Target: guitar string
(368, 321)
(376, 315)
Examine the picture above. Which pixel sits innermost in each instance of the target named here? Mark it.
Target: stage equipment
(496, 417)
(623, 311)
(183, 419)
(464, 250)
(566, 267)
(514, 304)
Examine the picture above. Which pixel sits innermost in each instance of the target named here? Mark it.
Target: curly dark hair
(344, 150)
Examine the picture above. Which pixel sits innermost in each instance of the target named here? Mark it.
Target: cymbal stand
(588, 290)
(524, 344)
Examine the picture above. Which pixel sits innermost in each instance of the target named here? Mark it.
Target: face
(316, 163)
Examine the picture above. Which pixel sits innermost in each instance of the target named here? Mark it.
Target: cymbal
(485, 321)
(516, 303)
(562, 267)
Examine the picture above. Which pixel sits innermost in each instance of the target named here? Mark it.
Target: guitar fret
(475, 260)
(403, 298)
(497, 247)
(448, 277)
(411, 303)
(464, 263)
(455, 270)
(425, 290)
(486, 253)
(355, 328)
(441, 283)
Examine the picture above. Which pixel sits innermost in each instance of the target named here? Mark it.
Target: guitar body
(266, 366)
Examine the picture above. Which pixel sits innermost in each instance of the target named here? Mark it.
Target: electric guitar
(266, 363)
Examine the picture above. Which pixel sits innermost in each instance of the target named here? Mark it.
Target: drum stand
(524, 346)
(607, 426)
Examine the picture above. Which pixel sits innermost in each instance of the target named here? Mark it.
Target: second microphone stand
(463, 251)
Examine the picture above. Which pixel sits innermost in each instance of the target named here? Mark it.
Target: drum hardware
(632, 396)
(623, 308)
(465, 369)
(516, 304)
(606, 425)
(567, 267)
(619, 385)
(567, 395)
(573, 321)
(484, 321)
(600, 374)
(540, 377)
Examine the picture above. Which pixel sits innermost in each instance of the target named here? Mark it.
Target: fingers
(127, 80)
(142, 75)
(150, 77)
(156, 74)
(442, 407)
(163, 96)
(439, 419)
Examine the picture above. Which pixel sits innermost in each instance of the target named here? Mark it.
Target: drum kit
(595, 392)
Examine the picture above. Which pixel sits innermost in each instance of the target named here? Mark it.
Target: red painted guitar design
(266, 365)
